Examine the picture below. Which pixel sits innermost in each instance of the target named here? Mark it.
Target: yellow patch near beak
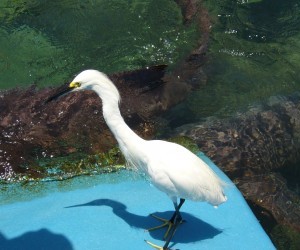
(74, 85)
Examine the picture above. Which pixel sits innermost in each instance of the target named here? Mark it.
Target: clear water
(254, 54)
(253, 48)
(47, 42)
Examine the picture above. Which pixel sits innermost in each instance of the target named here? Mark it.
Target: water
(253, 55)
(47, 42)
(252, 50)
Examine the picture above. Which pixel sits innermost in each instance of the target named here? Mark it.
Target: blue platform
(111, 211)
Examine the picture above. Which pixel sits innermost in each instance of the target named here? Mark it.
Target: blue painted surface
(113, 214)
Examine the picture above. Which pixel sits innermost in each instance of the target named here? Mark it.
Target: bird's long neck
(123, 134)
(128, 140)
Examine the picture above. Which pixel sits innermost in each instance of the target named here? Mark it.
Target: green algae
(285, 238)
(185, 142)
(61, 168)
(70, 166)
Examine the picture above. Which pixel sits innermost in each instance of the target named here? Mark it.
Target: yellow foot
(154, 246)
(166, 223)
(157, 247)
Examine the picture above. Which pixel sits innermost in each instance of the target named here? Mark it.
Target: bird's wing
(180, 171)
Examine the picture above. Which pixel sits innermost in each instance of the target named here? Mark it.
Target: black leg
(179, 206)
(172, 226)
(167, 223)
(176, 219)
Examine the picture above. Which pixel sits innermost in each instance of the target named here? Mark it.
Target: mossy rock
(285, 238)
(185, 142)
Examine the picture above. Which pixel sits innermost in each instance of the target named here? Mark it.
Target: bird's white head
(91, 80)
(97, 81)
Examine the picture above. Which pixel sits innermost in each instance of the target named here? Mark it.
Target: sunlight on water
(47, 42)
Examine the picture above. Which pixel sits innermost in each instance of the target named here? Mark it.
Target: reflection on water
(46, 42)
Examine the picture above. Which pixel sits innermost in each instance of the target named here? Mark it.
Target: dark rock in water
(264, 138)
(254, 148)
(271, 192)
(32, 130)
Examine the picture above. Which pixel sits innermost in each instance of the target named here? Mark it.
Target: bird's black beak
(60, 92)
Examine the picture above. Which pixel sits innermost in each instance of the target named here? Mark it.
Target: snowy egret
(171, 168)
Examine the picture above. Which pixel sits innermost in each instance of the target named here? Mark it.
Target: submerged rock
(254, 148)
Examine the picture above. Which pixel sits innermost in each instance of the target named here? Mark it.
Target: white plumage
(180, 174)
(171, 168)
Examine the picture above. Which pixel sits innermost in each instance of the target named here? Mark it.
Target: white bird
(171, 168)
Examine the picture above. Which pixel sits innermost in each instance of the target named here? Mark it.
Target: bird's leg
(176, 220)
(167, 223)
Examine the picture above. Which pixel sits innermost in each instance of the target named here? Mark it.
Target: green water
(253, 51)
(254, 54)
(47, 42)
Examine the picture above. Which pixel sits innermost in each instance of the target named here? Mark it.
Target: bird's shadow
(192, 230)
